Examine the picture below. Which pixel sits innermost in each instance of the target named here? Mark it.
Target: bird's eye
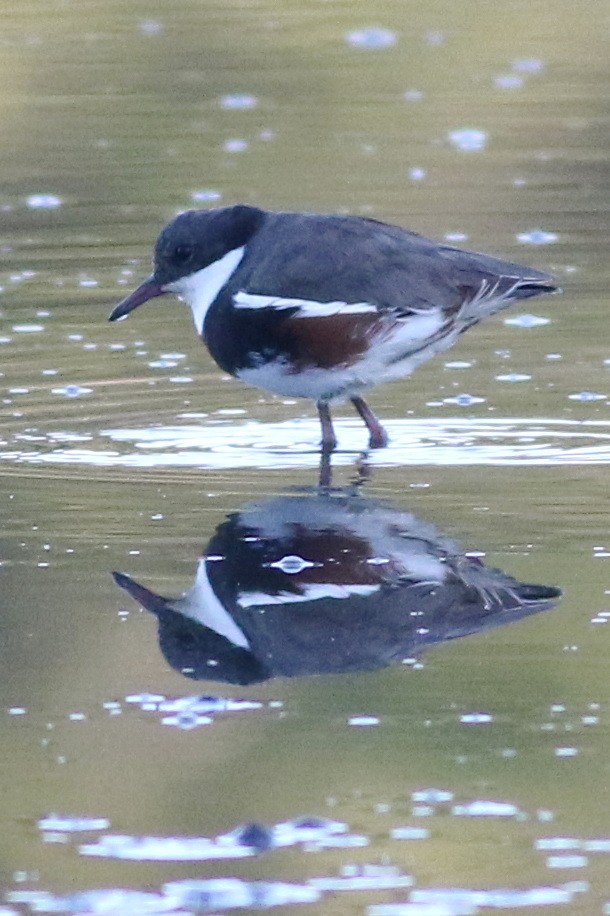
(181, 254)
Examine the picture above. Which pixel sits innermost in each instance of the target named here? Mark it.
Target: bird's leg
(329, 440)
(325, 475)
(378, 438)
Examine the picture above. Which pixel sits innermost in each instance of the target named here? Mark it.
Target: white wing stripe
(306, 307)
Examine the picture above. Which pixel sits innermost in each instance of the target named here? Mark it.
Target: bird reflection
(327, 583)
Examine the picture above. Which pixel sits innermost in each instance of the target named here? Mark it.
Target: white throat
(201, 288)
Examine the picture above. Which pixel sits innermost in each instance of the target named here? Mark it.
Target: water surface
(469, 776)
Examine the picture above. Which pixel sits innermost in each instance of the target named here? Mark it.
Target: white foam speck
(526, 321)
(150, 27)
(464, 400)
(485, 809)
(468, 139)
(413, 95)
(476, 718)
(537, 237)
(372, 38)
(72, 391)
(508, 81)
(238, 101)
(432, 796)
(70, 824)
(587, 396)
(235, 145)
(43, 201)
(567, 861)
(417, 174)
(527, 65)
(206, 195)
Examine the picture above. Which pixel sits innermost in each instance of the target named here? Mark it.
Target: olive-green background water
(113, 117)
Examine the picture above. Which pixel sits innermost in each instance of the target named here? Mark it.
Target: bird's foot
(378, 438)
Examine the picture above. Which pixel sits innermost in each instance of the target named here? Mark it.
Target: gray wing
(329, 258)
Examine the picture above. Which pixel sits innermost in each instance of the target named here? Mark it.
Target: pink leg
(329, 440)
(378, 438)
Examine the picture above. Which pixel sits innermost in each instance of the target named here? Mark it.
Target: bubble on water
(140, 698)
(456, 237)
(186, 721)
(567, 861)
(43, 201)
(235, 145)
(485, 809)
(527, 321)
(422, 810)
(72, 391)
(435, 38)
(409, 833)
(413, 95)
(527, 65)
(468, 139)
(238, 101)
(162, 364)
(513, 377)
(88, 283)
(458, 364)
(417, 174)
(150, 27)
(72, 824)
(371, 38)
(28, 328)
(537, 237)
(464, 400)
(457, 901)
(476, 718)
(432, 796)
(557, 842)
(181, 379)
(508, 81)
(206, 195)
(363, 721)
(587, 396)
(566, 751)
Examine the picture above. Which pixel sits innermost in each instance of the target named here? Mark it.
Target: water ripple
(227, 443)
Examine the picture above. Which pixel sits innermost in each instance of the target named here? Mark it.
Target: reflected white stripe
(312, 592)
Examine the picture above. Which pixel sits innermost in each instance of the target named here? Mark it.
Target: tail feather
(497, 293)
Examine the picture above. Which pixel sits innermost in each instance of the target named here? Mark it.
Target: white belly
(342, 381)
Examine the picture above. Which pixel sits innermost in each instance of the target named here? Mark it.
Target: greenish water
(124, 448)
